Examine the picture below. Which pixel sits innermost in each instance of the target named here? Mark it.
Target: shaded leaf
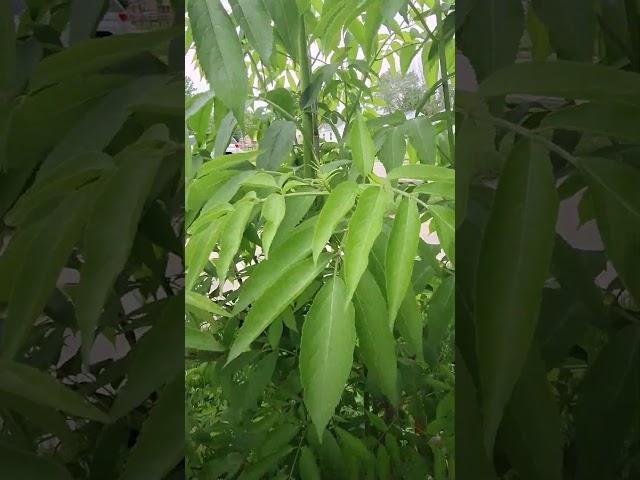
(96, 54)
(16, 463)
(46, 247)
(491, 33)
(609, 388)
(158, 346)
(160, 445)
(531, 430)
(42, 388)
(571, 80)
(110, 233)
(519, 237)
(614, 192)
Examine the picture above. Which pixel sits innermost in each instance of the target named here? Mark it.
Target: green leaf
(364, 227)
(539, 35)
(601, 119)
(83, 19)
(110, 233)
(445, 221)
(471, 457)
(197, 102)
(431, 173)
(273, 211)
(391, 7)
(363, 150)
(75, 172)
(268, 273)
(53, 112)
(232, 235)
(571, 27)
(610, 389)
(199, 249)
(561, 324)
(440, 318)
(286, 19)
(42, 388)
(339, 203)
(223, 133)
(355, 446)
(96, 54)
(100, 124)
(260, 469)
(572, 80)
(308, 467)
(228, 187)
(401, 253)
(274, 301)
(7, 49)
(532, 436)
(326, 352)
(217, 44)
(276, 144)
(515, 257)
(195, 339)
(444, 190)
(296, 209)
(422, 135)
(160, 445)
(375, 340)
(321, 76)
(22, 465)
(410, 323)
(372, 23)
(475, 140)
(203, 303)
(255, 23)
(283, 98)
(45, 250)
(490, 35)
(614, 192)
(393, 149)
(158, 346)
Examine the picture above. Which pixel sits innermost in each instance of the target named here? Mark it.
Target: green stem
(525, 132)
(308, 114)
(445, 83)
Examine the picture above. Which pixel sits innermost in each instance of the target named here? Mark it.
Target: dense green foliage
(91, 196)
(319, 323)
(547, 319)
